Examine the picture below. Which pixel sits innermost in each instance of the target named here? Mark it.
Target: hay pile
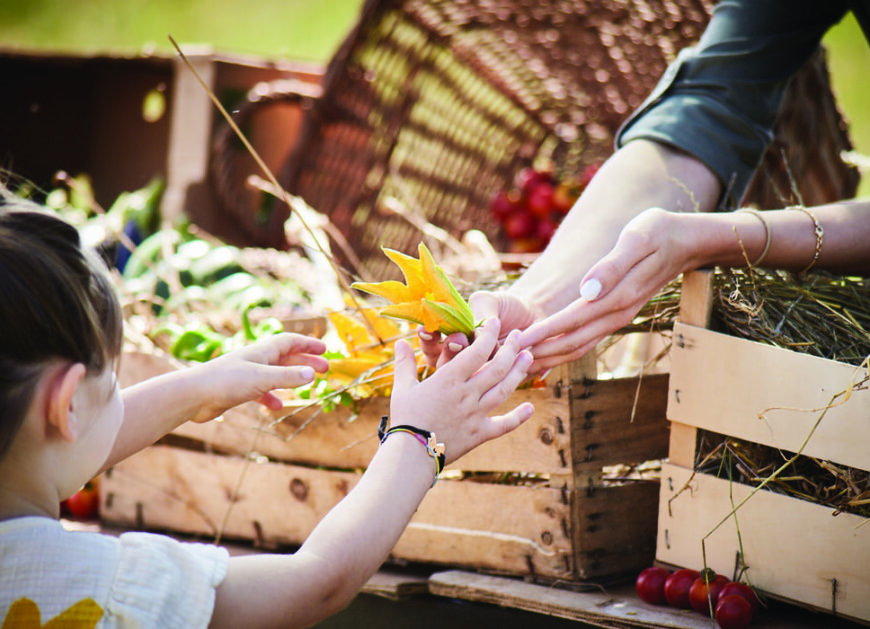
(821, 314)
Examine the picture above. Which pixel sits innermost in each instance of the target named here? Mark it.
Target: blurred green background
(304, 30)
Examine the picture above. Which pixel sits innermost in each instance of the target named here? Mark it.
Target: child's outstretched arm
(354, 539)
(199, 393)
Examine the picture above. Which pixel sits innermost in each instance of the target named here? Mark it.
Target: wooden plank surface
(794, 548)
(348, 438)
(616, 607)
(696, 298)
(599, 608)
(722, 383)
(619, 421)
(615, 528)
(516, 529)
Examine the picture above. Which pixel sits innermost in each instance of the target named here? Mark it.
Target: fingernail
(454, 347)
(307, 373)
(526, 357)
(425, 335)
(590, 289)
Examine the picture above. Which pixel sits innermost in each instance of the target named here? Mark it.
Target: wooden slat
(518, 529)
(696, 308)
(794, 548)
(395, 585)
(682, 445)
(191, 492)
(615, 529)
(190, 132)
(597, 608)
(696, 298)
(604, 431)
(721, 383)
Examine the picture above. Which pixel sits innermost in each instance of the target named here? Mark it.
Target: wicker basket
(432, 106)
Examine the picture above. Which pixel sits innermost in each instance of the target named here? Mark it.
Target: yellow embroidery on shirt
(24, 614)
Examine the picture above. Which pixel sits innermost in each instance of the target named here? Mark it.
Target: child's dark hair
(58, 303)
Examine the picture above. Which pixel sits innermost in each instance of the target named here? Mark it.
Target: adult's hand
(652, 249)
(510, 310)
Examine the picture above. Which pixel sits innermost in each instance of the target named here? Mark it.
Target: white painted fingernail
(590, 289)
(425, 335)
(454, 347)
(307, 373)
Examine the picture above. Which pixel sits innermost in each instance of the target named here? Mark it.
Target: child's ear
(60, 413)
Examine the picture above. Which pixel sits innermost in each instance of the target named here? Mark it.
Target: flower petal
(450, 319)
(440, 286)
(409, 311)
(391, 290)
(411, 269)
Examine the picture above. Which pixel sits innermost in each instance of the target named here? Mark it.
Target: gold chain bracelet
(820, 235)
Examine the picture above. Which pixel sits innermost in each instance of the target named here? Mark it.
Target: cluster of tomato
(84, 504)
(733, 604)
(531, 209)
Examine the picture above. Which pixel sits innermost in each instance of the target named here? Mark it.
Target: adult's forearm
(793, 240)
(640, 175)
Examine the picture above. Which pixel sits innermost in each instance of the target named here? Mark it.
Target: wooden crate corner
(794, 549)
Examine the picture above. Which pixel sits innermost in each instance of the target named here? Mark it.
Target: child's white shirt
(137, 580)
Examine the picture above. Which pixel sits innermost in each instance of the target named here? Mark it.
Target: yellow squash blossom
(369, 359)
(427, 297)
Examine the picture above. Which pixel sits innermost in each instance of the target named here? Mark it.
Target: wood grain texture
(768, 395)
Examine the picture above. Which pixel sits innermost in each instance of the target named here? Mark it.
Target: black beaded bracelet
(427, 438)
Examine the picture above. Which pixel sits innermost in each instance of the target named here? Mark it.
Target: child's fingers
(404, 366)
(452, 345)
(281, 349)
(271, 401)
(292, 342)
(502, 389)
(499, 365)
(469, 360)
(284, 377)
(499, 425)
(316, 362)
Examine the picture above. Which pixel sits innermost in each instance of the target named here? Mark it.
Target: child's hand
(283, 361)
(456, 400)
(511, 310)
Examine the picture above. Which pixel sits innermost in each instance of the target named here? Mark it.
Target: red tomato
(733, 612)
(741, 589)
(84, 504)
(709, 582)
(528, 179)
(677, 587)
(520, 224)
(503, 204)
(525, 245)
(650, 585)
(540, 200)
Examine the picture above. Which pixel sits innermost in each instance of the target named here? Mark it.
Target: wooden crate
(794, 549)
(106, 136)
(569, 524)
